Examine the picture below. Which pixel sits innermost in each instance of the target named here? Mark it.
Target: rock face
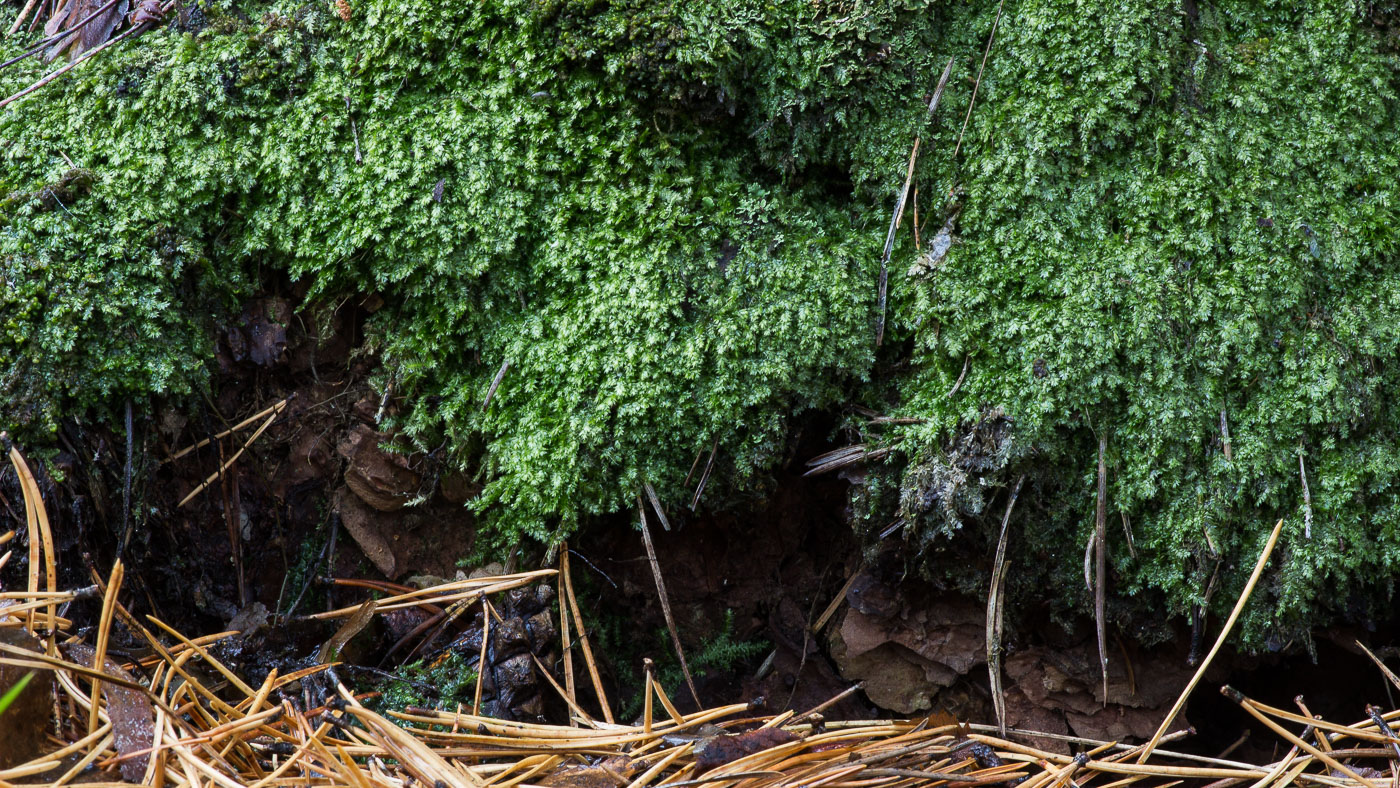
(512, 687)
(381, 479)
(917, 654)
(906, 659)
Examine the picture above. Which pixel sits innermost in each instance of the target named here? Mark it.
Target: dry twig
(995, 599)
(666, 602)
(1219, 641)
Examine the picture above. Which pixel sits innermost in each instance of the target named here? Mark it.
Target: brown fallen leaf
(91, 23)
(610, 773)
(727, 748)
(133, 717)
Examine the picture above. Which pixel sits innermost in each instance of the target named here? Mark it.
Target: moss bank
(667, 217)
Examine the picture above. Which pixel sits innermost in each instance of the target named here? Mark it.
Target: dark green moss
(667, 217)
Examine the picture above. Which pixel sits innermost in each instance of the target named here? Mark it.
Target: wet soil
(316, 496)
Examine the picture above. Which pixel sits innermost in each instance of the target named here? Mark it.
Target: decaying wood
(844, 456)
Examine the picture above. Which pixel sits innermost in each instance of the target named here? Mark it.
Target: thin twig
(705, 476)
(1248, 705)
(275, 407)
(836, 601)
(104, 633)
(1225, 436)
(1387, 672)
(1219, 641)
(481, 667)
(994, 611)
(828, 703)
(495, 382)
(583, 640)
(224, 467)
(957, 384)
(1307, 497)
(1384, 727)
(693, 466)
(126, 479)
(1101, 562)
(19, 20)
(656, 504)
(978, 83)
(1128, 534)
(355, 131)
(899, 210)
(666, 602)
(564, 640)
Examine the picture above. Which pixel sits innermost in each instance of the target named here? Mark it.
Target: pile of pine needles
(207, 728)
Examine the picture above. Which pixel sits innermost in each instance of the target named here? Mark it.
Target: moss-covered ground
(1172, 222)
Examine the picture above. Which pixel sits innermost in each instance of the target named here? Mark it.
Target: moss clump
(653, 286)
(667, 218)
(450, 677)
(1174, 216)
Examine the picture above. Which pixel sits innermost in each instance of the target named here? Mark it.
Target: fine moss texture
(668, 217)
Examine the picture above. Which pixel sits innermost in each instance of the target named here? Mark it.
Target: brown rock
(907, 656)
(380, 479)
(895, 678)
(457, 488)
(367, 528)
(1024, 713)
(419, 539)
(914, 656)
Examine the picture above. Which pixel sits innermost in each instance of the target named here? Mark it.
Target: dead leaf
(719, 750)
(132, 715)
(611, 773)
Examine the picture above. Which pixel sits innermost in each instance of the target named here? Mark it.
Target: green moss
(653, 288)
(450, 677)
(667, 218)
(1173, 216)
